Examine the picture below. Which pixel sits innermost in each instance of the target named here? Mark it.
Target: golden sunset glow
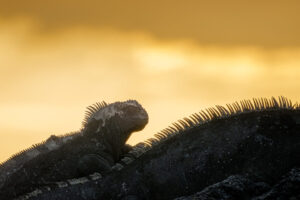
(54, 65)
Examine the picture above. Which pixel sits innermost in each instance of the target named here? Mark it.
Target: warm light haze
(175, 58)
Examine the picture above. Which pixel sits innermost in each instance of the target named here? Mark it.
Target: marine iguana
(259, 140)
(95, 148)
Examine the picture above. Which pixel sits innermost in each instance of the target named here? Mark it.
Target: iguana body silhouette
(240, 152)
(95, 148)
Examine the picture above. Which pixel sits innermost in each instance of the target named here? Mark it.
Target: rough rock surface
(238, 187)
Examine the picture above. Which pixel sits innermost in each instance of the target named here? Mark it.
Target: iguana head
(129, 115)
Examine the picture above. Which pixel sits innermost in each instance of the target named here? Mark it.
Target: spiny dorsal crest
(91, 110)
(210, 114)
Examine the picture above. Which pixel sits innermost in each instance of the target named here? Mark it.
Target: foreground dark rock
(287, 188)
(239, 187)
(245, 152)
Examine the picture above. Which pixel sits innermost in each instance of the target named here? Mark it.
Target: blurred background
(175, 57)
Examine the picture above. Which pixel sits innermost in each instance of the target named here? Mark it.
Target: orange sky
(231, 22)
(57, 57)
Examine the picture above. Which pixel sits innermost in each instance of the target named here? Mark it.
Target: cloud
(231, 22)
(47, 79)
